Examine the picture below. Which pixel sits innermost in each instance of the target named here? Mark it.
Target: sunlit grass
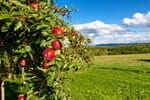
(116, 77)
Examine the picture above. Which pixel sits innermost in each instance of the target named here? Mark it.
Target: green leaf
(8, 23)
(17, 13)
(41, 69)
(23, 49)
(18, 25)
(42, 26)
(45, 33)
(4, 29)
(5, 16)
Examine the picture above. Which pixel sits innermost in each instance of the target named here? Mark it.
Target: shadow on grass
(127, 70)
(145, 60)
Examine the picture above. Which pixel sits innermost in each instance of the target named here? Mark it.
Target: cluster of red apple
(49, 53)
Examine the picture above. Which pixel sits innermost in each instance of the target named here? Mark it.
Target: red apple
(49, 54)
(63, 13)
(45, 65)
(22, 97)
(57, 31)
(23, 62)
(35, 5)
(56, 45)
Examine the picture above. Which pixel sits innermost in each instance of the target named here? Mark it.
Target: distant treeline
(122, 49)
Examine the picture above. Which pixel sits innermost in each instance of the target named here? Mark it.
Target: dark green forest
(121, 49)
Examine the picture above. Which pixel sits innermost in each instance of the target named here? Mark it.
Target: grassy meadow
(112, 77)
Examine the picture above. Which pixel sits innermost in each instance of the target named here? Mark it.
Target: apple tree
(36, 48)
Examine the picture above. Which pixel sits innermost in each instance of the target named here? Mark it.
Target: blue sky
(107, 20)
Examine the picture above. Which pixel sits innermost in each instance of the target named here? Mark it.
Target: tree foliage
(26, 31)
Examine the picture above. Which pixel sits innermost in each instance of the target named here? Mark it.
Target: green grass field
(115, 77)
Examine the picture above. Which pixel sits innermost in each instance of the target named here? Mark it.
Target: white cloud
(98, 27)
(102, 33)
(130, 37)
(138, 19)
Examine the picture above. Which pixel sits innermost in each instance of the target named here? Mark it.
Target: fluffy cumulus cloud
(98, 27)
(138, 19)
(102, 33)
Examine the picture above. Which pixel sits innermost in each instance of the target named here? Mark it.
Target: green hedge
(122, 49)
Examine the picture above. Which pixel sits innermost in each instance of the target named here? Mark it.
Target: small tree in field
(36, 47)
